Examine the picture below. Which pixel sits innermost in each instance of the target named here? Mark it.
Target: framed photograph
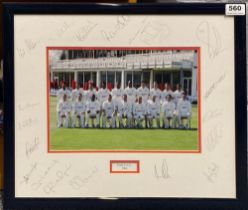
(125, 106)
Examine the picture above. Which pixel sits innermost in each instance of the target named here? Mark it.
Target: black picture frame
(11, 202)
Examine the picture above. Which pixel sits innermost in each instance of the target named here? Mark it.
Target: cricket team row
(129, 113)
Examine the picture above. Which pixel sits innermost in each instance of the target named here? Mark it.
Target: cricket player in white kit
(90, 92)
(167, 91)
(153, 112)
(75, 93)
(102, 94)
(144, 92)
(92, 112)
(125, 109)
(184, 111)
(79, 109)
(109, 112)
(168, 109)
(117, 93)
(177, 94)
(131, 93)
(63, 112)
(63, 91)
(139, 111)
(155, 91)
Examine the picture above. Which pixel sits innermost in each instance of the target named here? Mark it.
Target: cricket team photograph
(123, 100)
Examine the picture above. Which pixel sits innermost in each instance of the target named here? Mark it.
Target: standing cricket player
(102, 94)
(144, 92)
(131, 92)
(153, 112)
(168, 109)
(184, 111)
(79, 109)
(117, 93)
(92, 112)
(63, 112)
(125, 109)
(63, 91)
(177, 94)
(75, 93)
(139, 111)
(155, 91)
(109, 112)
(90, 92)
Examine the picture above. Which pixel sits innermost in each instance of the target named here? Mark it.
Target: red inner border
(124, 161)
(199, 150)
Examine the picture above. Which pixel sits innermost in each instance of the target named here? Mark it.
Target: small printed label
(124, 166)
(235, 9)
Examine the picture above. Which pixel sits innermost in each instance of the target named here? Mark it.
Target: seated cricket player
(63, 112)
(168, 109)
(79, 112)
(184, 111)
(92, 112)
(117, 93)
(125, 110)
(131, 92)
(153, 112)
(109, 112)
(155, 91)
(139, 111)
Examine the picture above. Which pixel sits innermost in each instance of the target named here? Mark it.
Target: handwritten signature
(211, 172)
(84, 31)
(23, 107)
(211, 115)
(214, 85)
(60, 176)
(27, 176)
(161, 171)
(26, 123)
(210, 36)
(77, 182)
(37, 184)
(213, 136)
(30, 148)
(30, 45)
(121, 23)
(150, 31)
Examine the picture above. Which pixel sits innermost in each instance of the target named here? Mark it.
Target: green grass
(121, 139)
